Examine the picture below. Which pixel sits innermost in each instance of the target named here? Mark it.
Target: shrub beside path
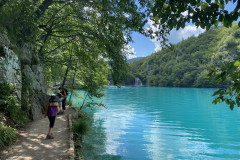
(33, 145)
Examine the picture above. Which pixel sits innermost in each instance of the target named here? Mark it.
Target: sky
(144, 46)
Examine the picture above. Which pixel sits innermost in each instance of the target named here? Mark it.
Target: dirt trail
(32, 143)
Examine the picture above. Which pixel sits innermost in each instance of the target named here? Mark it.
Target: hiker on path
(60, 98)
(64, 97)
(51, 112)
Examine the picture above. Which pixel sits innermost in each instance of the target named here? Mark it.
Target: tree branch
(43, 7)
(54, 15)
(60, 45)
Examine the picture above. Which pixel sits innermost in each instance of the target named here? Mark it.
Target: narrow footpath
(33, 145)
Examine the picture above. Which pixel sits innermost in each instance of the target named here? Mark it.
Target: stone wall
(10, 69)
(25, 73)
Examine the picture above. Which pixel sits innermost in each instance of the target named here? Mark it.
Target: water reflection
(114, 125)
(173, 143)
(165, 123)
(94, 144)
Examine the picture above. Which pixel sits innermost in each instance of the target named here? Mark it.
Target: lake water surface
(153, 123)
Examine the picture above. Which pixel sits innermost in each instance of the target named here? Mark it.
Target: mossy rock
(4, 41)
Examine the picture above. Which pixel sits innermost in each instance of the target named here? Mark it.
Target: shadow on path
(33, 145)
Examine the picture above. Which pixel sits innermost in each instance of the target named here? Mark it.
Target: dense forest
(189, 61)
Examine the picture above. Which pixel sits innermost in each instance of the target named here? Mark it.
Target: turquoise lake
(154, 123)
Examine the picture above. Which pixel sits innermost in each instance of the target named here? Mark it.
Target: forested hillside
(189, 61)
(134, 59)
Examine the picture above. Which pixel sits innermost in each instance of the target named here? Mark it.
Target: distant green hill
(190, 62)
(134, 59)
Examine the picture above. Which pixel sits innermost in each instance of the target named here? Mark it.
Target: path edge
(71, 142)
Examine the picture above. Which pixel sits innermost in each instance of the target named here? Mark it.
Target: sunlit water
(152, 123)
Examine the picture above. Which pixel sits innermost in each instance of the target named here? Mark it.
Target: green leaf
(206, 76)
(236, 63)
(221, 18)
(231, 106)
(208, 27)
(156, 18)
(227, 101)
(220, 92)
(208, 1)
(216, 23)
(214, 101)
(183, 25)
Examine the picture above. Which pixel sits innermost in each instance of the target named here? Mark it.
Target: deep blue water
(153, 123)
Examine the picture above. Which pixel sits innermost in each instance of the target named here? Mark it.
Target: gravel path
(33, 145)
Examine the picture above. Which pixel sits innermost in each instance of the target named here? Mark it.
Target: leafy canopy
(74, 39)
(169, 14)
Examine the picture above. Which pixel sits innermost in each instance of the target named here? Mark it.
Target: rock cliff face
(25, 72)
(10, 69)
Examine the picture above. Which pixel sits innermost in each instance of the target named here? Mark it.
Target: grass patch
(7, 135)
(10, 106)
(81, 127)
(11, 114)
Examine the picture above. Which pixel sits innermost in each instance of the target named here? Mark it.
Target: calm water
(152, 123)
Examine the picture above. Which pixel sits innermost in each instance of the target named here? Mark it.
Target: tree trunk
(84, 102)
(73, 80)
(66, 73)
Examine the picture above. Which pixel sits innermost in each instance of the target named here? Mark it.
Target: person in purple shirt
(51, 112)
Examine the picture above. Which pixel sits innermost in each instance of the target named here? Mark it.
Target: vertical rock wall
(10, 69)
(26, 74)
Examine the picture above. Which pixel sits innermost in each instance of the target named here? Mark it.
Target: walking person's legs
(64, 104)
(60, 107)
(51, 125)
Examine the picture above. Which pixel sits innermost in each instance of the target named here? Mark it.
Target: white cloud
(182, 34)
(129, 51)
(131, 56)
(185, 13)
(176, 36)
(126, 15)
